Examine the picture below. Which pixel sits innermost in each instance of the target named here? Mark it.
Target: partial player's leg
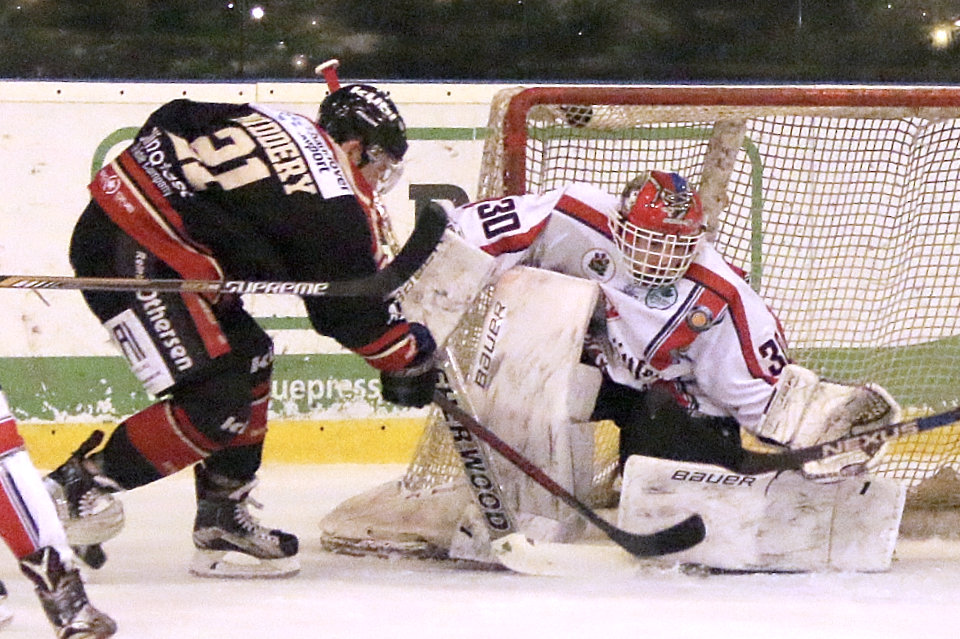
(652, 423)
(225, 533)
(83, 496)
(210, 362)
(31, 529)
(6, 615)
(60, 588)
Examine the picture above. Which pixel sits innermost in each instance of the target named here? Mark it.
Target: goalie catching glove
(805, 411)
(413, 386)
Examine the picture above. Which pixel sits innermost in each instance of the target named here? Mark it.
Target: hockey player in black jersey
(242, 192)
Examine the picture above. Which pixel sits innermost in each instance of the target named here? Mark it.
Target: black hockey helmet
(360, 111)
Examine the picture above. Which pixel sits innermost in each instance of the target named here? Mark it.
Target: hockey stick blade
(754, 463)
(431, 223)
(678, 537)
(551, 559)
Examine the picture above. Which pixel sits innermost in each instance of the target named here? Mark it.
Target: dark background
(488, 40)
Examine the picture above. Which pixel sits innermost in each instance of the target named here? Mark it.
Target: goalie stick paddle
(429, 228)
(754, 463)
(678, 537)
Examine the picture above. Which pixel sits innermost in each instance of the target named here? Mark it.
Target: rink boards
(62, 374)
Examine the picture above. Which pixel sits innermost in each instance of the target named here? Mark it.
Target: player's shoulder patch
(662, 298)
(700, 318)
(598, 264)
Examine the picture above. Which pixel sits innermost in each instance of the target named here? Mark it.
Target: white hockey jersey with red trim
(709, 335)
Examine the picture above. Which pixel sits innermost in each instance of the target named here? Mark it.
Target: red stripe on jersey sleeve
(683, 334)
(515, 243)
(150, 190)
(738, 314)
(393, 351)
(585, 213)
(10, 438)
(127, 207)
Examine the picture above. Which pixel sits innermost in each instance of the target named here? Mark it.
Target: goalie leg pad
(519, 373)
(772, 522)
(427, 520)
(527, 385)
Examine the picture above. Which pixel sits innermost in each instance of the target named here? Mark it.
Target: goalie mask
(362, 112)
(658, 227)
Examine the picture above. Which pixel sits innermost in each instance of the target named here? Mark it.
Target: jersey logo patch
(699, 319)
(663, 297)
(599, 263)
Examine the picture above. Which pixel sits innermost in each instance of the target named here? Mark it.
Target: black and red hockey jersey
(245, 192)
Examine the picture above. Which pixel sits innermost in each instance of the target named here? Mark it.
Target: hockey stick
(755, 463)
(481, 476)
(678, 537)
(427, 232)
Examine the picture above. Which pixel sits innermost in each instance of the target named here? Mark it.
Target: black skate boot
(63, 598)
(230, 541)
(83, 498)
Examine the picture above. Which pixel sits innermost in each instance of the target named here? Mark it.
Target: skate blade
(102, 628)
(228, 564)
(95, 529)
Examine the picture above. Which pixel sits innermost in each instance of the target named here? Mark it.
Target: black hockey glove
(413, 386)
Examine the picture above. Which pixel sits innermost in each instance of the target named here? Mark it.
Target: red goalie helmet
(658, 227)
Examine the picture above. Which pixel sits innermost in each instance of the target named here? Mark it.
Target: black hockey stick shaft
(754, 463)
(681, 536)
(427, 232)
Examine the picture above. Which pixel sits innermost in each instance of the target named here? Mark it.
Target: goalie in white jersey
(690, 353)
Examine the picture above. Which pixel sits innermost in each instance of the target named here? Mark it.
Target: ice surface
(146, 587)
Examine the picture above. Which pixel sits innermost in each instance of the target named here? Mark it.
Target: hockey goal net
(842, 205)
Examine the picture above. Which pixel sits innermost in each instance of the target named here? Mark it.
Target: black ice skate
(83, 498)
(63, 598)
(230, 541)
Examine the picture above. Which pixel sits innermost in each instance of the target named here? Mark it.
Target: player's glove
(413, 386)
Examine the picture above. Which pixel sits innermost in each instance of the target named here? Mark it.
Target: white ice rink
(146, 587)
